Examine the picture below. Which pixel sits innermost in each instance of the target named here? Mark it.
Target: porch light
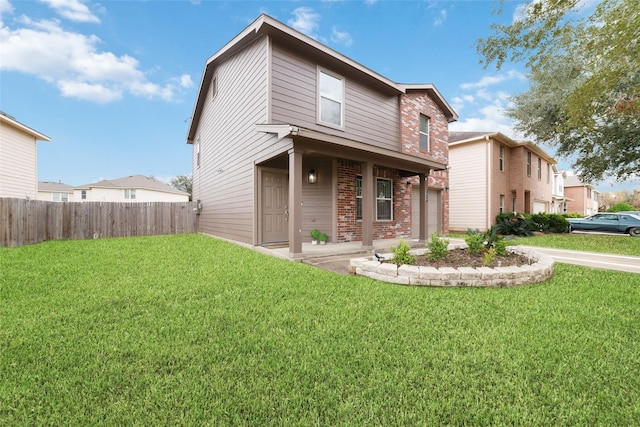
(312, 176)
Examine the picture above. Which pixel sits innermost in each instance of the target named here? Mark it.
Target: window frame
(130, 194)
(539, 169)
(83, 194)
(384, 199)
(528, 163)
(501, 207)
(359, 198)
(319, 96)
(501, 156)
(426, 134)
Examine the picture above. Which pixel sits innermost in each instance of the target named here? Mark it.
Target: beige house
(559, 199)
(289, 135)
(584, 197)
(491, 173)
(135, 188)
(18, 158)
(55, 191)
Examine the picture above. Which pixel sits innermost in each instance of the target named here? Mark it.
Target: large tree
(183, 183)
(584, 70)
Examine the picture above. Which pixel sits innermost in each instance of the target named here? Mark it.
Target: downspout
(488, 181)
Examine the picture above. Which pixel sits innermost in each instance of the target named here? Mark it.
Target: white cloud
(5, 6)
(341, 37)
(305, 20)
(74, 10)
(72, 62)
(440, 18)
(370, 2)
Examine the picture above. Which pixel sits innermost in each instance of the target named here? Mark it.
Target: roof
(54, 187)
(305, 45)
(133, 181)
(11, 121)
(575, 181)
(459, 138)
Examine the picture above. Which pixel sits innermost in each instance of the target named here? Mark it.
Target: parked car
(612, 222)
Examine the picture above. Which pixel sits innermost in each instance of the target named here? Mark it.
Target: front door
(275, 207)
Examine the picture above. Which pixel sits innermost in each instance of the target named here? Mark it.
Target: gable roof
(575, 181)
(11, 121)
(54, 187)
(133, 181)
(304, 45)
(459, 138)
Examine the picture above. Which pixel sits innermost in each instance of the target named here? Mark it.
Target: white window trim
(318, 98)
(130, 194)
(502, 152)
(501, 210)
(358, 197)
(428, 119)
(384, 198)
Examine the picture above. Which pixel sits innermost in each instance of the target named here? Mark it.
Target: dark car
(612, 222)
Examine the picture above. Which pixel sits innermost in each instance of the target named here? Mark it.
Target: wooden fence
(24, 222)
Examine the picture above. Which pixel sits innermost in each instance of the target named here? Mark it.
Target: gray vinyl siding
(318, 199)
(225, 181)
(370, 117)
(18, 164)
(468, 188)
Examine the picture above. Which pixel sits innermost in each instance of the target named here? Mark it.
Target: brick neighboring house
(584, 197)
(289, 135)
(18, 158)
(491, 173)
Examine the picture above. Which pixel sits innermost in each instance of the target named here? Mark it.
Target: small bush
(513, 224)
(475, 241)
(401, 255)
(438, 247)
(489, 256)
(572, 215)
(621, 207)
(315, 234)
(558, 223)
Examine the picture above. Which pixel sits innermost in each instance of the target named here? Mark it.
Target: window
(330, 99)
(548, 173)
(502, 158)
(539, 169)
(60, 197)
(384, 200)
(513, 204)
(528, 163)
(501, 203)
(424, 132)
(83, 195)
(130, 194)
(358, 197)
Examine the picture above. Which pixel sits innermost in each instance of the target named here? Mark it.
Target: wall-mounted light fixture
(312, 176)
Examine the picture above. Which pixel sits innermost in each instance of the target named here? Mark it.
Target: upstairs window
(384, 200)
(424, 132)
(330, 99)
(539, 169)
(528, 163)
(130, 194)
(501, 158)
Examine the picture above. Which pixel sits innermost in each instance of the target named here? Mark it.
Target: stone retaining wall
(541, 269)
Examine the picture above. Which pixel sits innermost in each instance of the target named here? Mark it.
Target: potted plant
(322, 237)
(315, 236)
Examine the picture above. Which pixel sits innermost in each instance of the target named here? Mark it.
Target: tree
(584, 96)
(621, 207)
(183, 183)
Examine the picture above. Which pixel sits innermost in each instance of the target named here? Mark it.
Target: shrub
(475, 241)
(513, 224)
(315, 234)
(489, 256)
(572, 215)
(322, 237)
(540, 222)
(401, 254)
(558, 223)
(621, 207)
(438, 247)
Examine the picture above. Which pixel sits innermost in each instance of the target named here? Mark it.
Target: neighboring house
(289, 135)
(55, 191)
(136, 188)
(491, 173)
(559, 199)
(18, 158)
(584, 196)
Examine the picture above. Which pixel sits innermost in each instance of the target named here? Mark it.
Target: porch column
(424, 211)
(295, 204)
(367, 205)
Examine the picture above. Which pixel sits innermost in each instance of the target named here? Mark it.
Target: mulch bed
(463, 258)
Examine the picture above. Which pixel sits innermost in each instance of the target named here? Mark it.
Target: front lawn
(189, 330)
(622, 244)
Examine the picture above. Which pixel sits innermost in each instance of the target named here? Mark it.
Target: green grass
(622, 244)
(189, 330)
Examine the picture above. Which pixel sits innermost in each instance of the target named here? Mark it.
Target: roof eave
(449, 112)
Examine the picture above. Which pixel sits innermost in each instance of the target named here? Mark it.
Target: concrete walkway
(336, 257)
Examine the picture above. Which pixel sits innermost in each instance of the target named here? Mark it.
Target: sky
(113, 83)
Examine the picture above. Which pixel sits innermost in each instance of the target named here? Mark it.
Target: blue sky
(113, 83)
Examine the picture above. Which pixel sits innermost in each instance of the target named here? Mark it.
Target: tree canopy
(183, 183)
(584, 71)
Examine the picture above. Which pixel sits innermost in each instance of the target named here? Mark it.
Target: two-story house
(289, 135)
(559, 199)
(584, 196)
(134, 188)
(55, 191)
(491, 173)
(18, 158)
